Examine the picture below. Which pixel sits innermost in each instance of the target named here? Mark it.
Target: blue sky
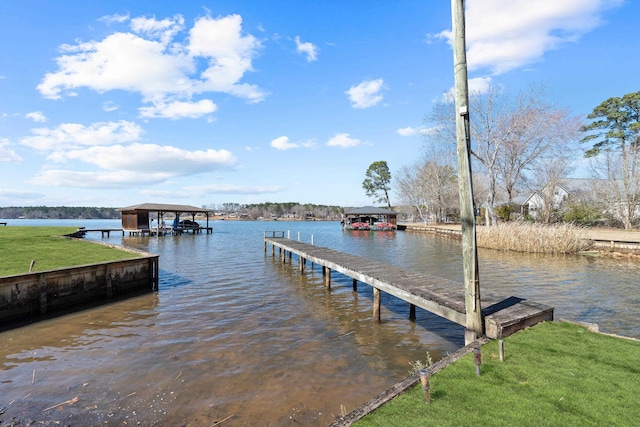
(114, 103)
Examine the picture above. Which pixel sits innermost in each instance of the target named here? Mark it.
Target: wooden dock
(166, 231)
(502, 316)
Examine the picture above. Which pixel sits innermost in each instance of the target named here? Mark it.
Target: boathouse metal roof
(370, 210)
(163, 207)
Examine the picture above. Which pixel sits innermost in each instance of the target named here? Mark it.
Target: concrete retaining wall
(26, 295)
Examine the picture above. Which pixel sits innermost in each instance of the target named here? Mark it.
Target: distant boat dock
(502, 316)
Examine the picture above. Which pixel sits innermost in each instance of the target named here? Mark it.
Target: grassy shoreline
(50, 250)
(555, 373)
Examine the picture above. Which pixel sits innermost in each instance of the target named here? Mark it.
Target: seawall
(42, 293)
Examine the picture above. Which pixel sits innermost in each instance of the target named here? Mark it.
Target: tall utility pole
(474, 327)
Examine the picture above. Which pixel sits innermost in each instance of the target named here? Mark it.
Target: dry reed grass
(533, 237)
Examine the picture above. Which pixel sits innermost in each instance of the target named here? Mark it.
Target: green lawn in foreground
(554, 374)
(20, 245)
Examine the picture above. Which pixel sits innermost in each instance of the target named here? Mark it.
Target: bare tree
(532, 128)
(507, 135)
(430, 184)
(409, 187)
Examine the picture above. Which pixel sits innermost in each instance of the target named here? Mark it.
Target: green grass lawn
(554, 374)
(20, 245)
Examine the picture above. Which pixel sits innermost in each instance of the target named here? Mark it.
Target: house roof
(370, 210)
(163, 207)
(578, 186)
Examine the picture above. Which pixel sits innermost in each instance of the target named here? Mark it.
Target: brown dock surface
(502, 316)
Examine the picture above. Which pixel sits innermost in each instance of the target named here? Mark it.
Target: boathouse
(138, 219)
(370, 218)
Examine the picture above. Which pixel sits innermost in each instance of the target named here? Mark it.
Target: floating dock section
(502, 316)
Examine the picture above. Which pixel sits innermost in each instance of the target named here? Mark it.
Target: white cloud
(115, 18)
(72, 135)
(36, 116)
(220, 41)
(163, 30)
(165, 70)
(132, 165)
(309, 49)
(478, 85)
(6, 152)
(179, 109)
(366, 94)
(150, 159)
(110, 106)
(343, 140)
(505, 34)
(413, 131)
(283, 143)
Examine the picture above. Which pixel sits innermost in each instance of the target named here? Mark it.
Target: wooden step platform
(502, 316)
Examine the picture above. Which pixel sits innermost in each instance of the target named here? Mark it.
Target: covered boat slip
(370, 218)
(138, 219)
(502, 316)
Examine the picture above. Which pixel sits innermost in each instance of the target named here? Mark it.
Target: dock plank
(502, 316)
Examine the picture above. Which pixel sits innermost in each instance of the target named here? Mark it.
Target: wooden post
(327, 277)
(474, 324)
(501, 349)
(355, 285)
(301, 261)
(376, 304)
(412, 312)
(477, 359)
(424, 380)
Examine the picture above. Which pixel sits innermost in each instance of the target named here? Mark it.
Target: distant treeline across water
(59, 212)
(253, 211)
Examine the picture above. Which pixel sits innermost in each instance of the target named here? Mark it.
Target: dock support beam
(355, 285)
(376, 304)
(327, 277)
(412, 312)
(302, 263)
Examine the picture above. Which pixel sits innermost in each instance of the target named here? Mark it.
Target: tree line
(59, 212)
(266, 210)
(523, 144)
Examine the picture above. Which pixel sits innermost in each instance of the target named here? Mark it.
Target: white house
(567, 188)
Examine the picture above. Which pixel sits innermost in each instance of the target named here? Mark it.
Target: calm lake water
(235, 335)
